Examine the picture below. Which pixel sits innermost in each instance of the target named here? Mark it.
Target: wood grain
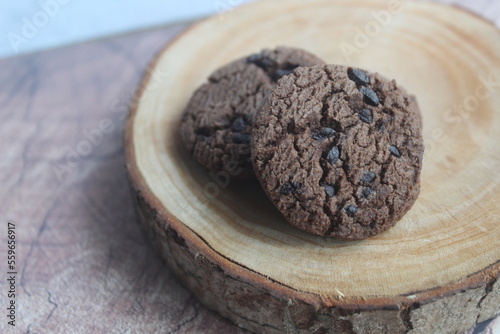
(84, 264)
(437, 270)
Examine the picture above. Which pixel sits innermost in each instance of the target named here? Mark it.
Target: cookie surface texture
(216, 124)
(339, 151)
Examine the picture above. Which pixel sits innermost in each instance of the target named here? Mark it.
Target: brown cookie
(339, 151)
(216, 124)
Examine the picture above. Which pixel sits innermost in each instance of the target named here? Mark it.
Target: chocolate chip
(276, 75)
(351, 210)
(368, 177)
(289, 188)
(262, 62)
(358, 76)
(253, 58)
(365, 115)
(203, 132)
(242, 138)
(370, 96)
(286, 189)
(202, 139)
(394, 151)
(382, 125)
(366, 192)
(238, 125)
(333, 155)
(329, 190)
(323, 133)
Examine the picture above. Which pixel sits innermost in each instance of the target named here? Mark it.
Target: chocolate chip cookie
(339, 151)
(216, 124)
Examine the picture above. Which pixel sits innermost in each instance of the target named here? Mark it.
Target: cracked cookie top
(216, 124)
(339, 151)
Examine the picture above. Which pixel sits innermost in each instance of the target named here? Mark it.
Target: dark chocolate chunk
(329, 190)
(366, 192)
(286, 189)
(394, 151)
(370, 96)
(254, 58)
(238, 125)
(323, 133)
(351, 210)
(368, 177)
(276, 75)
(289, 188)
(382, 125)
(242, 138)
(365, 115)
(203, 132)
(358, 76)
(261, 61)
(333, 155)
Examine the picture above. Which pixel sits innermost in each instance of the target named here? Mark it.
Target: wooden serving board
(435, 272)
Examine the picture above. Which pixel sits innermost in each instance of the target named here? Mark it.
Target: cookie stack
(338, 150)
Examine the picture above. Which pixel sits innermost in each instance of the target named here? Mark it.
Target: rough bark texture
(488, 305)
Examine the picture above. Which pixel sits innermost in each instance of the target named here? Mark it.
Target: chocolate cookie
(339, 151)
(216, 124)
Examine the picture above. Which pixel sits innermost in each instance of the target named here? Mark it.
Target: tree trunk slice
(436, 271)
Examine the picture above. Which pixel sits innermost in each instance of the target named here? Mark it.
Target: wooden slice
(435, 272)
